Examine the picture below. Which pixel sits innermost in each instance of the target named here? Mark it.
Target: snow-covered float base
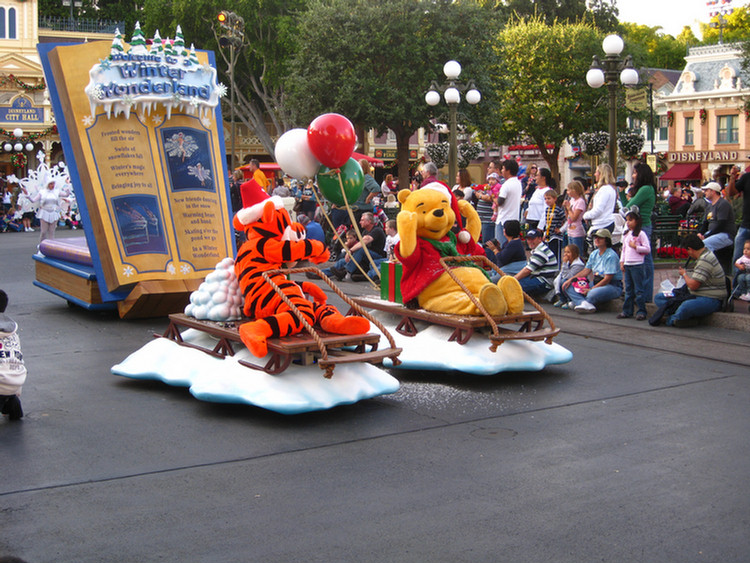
(430, 349)
(298, 389)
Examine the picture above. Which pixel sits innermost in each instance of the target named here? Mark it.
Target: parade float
(224, 349)
(143, 126)
(142, 132)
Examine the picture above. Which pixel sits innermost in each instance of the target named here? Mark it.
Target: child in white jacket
(12, 368)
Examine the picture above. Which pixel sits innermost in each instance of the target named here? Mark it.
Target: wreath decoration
(18, 160)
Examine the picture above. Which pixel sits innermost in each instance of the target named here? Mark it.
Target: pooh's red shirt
(423, 267)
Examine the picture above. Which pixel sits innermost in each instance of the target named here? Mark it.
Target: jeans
(690, 309)
(743, 234)
(635, 276)
(717, 242)
(488, 231)
(500, 234)
(597, 295)
(359, 257)
(534, 285)
(648, 272)
(580, 242)
(510, 269)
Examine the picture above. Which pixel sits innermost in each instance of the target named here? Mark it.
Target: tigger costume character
(272, 241)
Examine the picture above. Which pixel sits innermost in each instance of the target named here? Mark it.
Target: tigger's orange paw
(254, 335)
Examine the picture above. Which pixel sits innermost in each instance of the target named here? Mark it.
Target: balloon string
(343, 243)
(356, 228)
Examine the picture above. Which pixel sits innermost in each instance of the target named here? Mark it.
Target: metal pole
(651, 122)
(453, 146)
(231, 84)
(612, 86)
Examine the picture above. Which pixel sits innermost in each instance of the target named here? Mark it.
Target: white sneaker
(585, 307)
(745, 296)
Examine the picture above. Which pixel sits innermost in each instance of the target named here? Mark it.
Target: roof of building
(712, 69)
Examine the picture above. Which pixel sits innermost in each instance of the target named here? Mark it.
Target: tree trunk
(402, 157)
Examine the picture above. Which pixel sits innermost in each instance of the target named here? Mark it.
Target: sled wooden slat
(301, 347)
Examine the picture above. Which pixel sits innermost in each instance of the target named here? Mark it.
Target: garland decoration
(18, 160)
(5, 80)
(670, 118)
(703, 115)
(30, 137)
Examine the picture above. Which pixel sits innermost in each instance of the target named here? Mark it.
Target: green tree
(269, 41)
(651, 48)
(602, 13)
(736, 28)
(541, 94)
(373, 62)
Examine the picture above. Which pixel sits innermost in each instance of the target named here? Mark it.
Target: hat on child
(494, 175)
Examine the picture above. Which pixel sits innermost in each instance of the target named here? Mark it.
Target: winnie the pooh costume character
(424, 225)
(273, 240)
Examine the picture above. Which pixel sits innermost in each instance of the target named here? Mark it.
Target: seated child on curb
(12, 368)
(742, 289)
(571, 265)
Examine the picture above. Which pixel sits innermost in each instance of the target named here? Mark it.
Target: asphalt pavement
(636, 450)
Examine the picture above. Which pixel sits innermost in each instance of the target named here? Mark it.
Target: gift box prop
(390, 281)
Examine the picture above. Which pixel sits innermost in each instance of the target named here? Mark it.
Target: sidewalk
(738, 320)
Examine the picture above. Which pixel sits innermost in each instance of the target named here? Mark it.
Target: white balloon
(294, 155)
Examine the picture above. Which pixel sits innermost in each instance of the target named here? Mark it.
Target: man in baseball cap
(718, 229)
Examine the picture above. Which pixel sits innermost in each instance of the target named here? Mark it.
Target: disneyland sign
(141, 77)
(707, 156)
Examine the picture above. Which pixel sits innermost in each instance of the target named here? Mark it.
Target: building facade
(707, 115)
(24, 100)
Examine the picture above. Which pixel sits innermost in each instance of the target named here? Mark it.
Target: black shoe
(312, 276)
(338, 273)
(357, 277)
(12, 408)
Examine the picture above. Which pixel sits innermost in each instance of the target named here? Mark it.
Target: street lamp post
(451, 91)
(608, 72)
(233, 35)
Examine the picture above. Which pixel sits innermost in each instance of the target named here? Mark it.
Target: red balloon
(331, 139)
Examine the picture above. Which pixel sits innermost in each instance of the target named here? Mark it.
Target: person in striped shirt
(706, 283)
(537, 275)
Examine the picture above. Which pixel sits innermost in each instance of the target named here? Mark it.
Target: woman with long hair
(464, 183)
(604, 202)
(644, 201)
(535, 209)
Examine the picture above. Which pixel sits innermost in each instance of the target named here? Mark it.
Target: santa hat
(463, 235)
(254, 199)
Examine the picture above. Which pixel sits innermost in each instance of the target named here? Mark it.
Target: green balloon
(352, 179)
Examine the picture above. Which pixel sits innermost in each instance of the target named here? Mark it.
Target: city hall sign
(707, 156)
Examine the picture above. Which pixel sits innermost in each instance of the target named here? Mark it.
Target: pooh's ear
(403, 195)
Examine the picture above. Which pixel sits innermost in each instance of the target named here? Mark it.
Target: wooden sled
(532, 323)
(307, 348)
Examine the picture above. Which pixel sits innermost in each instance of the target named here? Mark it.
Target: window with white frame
(663, 134)
(689, 131)
(727, 129)
(8, 23)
